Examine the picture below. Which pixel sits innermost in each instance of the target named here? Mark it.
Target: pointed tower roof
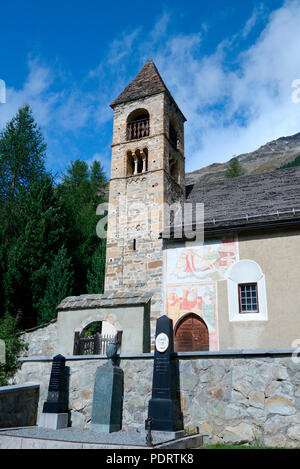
(147, 83)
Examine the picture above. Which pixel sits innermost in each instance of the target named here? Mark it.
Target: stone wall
(18, 405)
(41, 340)
(233, 398)
(134, 251)
(129, 313)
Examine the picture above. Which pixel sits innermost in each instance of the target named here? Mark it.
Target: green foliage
(30, 256)
(96, 273)
(13, 344)
(80, 193)
(97, 175)
(22, 154)
(92, 329)
(292, 164)
(48, 243)
(234, 169)
(59, 286)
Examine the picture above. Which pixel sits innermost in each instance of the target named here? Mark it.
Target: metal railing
(95, 345)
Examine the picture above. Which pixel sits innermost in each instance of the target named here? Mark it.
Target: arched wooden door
(191, 334)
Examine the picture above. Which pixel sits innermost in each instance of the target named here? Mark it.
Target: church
(221, 259)
(235, 288)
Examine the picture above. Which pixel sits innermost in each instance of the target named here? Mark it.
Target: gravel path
(86, 436)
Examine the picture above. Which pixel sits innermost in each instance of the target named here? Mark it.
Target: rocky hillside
(267, 158)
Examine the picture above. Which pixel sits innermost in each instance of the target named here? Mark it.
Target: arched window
(247, 299)
(138, 124)
(191, 334)
(137, 162)
(129, 164)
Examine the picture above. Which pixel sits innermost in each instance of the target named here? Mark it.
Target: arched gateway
(191, 334)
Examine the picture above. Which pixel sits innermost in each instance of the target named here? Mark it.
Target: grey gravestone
(164, 406)
(55, 409)
(2, 351)
(108, 396)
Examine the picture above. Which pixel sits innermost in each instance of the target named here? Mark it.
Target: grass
(223, 446)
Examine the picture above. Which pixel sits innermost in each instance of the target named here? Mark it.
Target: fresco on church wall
(191, 276)
(201, 263)
(196, 298)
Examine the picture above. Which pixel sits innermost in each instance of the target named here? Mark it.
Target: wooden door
(191, 334)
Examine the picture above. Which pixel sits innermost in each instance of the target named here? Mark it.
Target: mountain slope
(267, 158)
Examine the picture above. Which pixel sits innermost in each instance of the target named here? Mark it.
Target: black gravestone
(57, 400)
(164, 406)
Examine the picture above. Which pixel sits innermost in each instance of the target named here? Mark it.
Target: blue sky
(229, 65)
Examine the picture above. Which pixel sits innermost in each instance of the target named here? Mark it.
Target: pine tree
(22, 154)
(59, 286)
(234, 168)
(292, 164)
(2, 271)
(81, 191)
(41, 233)
(97, 174)
(9, 332)
(96, 273)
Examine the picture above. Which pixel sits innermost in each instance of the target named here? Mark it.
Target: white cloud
(66, 109)
(160, 28)
(121, 48)
(235, 100)
(258, 12)
(234, 111)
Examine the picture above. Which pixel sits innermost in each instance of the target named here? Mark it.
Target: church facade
(233, 296)
(235, 289)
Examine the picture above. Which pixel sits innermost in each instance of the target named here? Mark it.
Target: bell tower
(147, 172)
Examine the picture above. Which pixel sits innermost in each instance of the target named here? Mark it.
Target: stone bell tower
(147, 171)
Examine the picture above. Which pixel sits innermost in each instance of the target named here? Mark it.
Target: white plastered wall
(246, 271)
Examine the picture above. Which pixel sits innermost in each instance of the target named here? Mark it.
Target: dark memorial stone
(108, 395)
(57, 400)
(164, 406)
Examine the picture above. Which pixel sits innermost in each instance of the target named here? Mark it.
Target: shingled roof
(249, 202)
(147, 83)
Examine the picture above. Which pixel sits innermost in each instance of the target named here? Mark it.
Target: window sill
(248, 317)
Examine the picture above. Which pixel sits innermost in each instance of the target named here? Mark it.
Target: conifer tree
(234, 169)
(22, 154)
(81, 191)
(41, 233)
(96, 273)
(59, 286)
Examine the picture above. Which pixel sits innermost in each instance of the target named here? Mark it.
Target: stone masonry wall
(134, 255)
(235, 399)
(41, 340)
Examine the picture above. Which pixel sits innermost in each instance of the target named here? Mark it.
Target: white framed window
(247, 299)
